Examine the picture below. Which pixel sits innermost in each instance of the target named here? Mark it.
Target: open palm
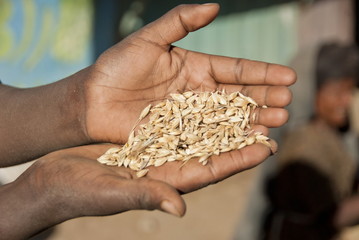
(145, 68)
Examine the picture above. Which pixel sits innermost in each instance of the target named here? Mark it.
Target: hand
(347, 213)
(70, 183)
(102, 102)
(145, 68)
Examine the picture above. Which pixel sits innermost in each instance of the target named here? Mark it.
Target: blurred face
(333, 101)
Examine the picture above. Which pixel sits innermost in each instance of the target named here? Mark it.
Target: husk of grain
(188, 125)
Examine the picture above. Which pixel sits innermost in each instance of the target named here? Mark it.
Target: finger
(271, 96)
(230, 163)
(242, 71)
(178, 22)
(91, 151)
(261, 129)
(150, 194)
(194, 175)
(270, 117)
(265, 131)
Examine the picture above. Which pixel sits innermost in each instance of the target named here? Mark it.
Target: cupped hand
(145, 68)
(72, 183)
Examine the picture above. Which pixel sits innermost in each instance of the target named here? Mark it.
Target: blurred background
(42, 41)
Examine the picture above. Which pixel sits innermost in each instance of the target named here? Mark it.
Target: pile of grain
(188, 125)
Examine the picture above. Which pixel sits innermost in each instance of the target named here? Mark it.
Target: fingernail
(273, 148)
(169, 207)
(208, 4)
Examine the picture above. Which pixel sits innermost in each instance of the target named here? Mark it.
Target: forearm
(39, 120)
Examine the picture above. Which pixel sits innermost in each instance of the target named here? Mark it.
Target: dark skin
(70, 183)
(101, 104)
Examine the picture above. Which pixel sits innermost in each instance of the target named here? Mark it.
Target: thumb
(178, 22)
(153, 194)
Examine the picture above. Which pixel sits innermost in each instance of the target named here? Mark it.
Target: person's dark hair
(335, 61)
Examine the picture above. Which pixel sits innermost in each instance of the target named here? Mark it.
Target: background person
(316, 171)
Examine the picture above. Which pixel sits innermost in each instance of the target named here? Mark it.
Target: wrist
(36, 121)
(74, 104)
(19, 207)
(31, 203)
